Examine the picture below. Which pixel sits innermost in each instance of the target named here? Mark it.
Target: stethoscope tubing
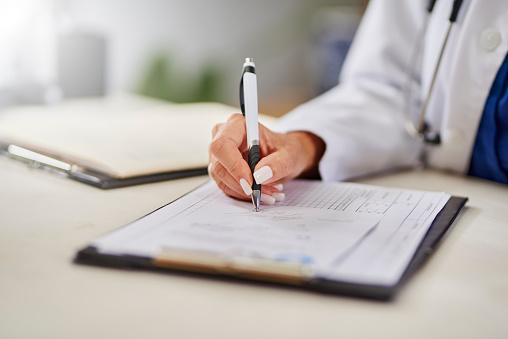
(422, 133)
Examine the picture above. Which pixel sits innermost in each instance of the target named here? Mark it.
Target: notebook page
(119, 137)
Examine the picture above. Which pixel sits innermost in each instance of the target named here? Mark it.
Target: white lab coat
(362, 119)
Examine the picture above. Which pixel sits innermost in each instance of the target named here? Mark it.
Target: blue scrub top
(490, 153)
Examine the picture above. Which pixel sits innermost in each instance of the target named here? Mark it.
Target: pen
(249, 107)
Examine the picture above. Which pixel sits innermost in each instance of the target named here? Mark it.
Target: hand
(283, 157)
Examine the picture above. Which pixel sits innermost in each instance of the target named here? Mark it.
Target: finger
(233, 194)
(267, 197)
(280, 187)
(269, 194)
(229, 192)
(270, 190)
(227, 147)
(216, 129)
(274, 168)
(224, 179)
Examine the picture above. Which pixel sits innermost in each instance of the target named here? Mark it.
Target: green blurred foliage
(163, 81)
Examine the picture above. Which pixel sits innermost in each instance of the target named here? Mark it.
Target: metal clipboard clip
(38, 160)
(262, 269)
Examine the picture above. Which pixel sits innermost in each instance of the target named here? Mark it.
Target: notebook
(114, 141)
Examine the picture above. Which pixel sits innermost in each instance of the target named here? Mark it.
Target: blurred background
(181, 51)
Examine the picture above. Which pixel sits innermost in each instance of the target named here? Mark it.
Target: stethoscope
(422, 131)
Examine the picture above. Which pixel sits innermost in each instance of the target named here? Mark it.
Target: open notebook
(117, 141)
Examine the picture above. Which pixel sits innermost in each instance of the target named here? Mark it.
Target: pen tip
(256, 195)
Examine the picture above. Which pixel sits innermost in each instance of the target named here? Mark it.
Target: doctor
(414, 88)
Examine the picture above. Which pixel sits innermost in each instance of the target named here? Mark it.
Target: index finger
(227, 147)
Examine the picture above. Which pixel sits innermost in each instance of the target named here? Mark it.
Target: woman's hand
(283, 157)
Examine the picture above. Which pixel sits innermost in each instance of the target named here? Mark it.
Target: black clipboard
(145, 136)
(60, 166)
(442, 223)
(104, 181)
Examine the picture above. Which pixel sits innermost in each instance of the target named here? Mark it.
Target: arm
(361, 120)
(354, 129)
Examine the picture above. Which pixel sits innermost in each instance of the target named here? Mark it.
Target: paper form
(343, 231)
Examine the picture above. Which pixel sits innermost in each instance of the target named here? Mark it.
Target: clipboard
(114, 142)
(278, 272)
(73, 171)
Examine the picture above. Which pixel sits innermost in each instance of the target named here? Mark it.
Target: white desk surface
(461, 292)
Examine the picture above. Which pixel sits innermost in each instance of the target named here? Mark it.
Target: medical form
(340, 231)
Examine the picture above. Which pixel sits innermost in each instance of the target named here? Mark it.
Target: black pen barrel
(254, 157)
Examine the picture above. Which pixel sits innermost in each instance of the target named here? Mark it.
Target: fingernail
(263, 174)
(279, 187)
(209, 168)
(278, 196)
(267, 199)
(245, 186)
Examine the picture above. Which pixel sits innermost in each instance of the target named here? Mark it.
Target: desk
(461, 292)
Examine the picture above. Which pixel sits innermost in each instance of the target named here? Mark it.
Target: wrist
(309, 150)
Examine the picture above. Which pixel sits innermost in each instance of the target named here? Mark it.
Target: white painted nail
(267, 199)
(263, 174)
(279, 187)
(209, 168)
(245, 186)
(278, 196)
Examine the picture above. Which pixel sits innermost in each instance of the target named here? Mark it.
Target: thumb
(274, 167)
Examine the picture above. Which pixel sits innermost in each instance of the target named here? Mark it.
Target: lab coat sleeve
(361, 120)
